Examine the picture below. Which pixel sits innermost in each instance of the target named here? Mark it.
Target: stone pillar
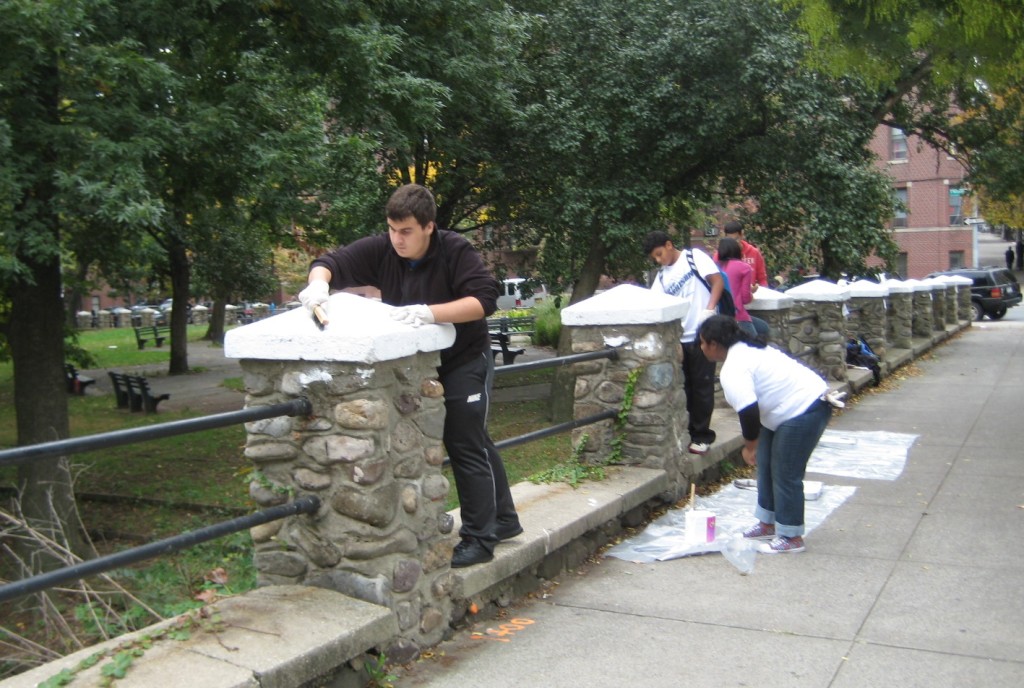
(200, 315)
(922, 308)
(260, 311)
(938, 292)
(819, 324)
(104, 319)
(774, 308)
(147, 316)
(950, 306)
(83, 320)
(964, 309)
(900, 313)
(868, 314)
(371, 451)
(646, 327)
(230, 314)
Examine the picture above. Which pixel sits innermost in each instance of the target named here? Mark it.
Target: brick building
(933, 233)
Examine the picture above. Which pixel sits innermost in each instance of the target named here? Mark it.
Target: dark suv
(994, 290)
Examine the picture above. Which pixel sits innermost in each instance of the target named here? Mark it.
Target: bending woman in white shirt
(782, 413)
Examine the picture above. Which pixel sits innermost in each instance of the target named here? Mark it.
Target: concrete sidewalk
(912, 582)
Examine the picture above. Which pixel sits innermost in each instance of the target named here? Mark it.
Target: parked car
(994, 290)
(510, 294)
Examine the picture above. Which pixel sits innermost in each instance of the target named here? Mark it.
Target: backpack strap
(689, 259)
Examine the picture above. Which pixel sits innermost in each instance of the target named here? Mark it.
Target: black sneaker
(508, 531)
(469, 552)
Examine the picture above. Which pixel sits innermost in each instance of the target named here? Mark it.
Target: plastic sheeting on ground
(871, 455)
(665, 538)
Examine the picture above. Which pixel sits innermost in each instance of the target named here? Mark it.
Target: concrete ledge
(554, 515)
(267, 638)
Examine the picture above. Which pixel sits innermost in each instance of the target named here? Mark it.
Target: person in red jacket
(435, 275)
(751, 254)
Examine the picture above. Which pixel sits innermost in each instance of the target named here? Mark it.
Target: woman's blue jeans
(782, 456)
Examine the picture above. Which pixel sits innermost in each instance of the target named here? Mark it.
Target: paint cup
(700, 526)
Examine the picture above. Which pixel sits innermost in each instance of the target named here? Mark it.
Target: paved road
(911, 582)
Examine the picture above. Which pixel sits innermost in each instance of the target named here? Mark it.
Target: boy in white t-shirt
(677, 278)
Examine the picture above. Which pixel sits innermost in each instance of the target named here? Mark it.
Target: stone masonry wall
(372, 452)
(655, 434)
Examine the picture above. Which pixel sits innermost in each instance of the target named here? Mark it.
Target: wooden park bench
(502, 329)
(158, 333)
(76, 383)
(133, 393)
(508, 354)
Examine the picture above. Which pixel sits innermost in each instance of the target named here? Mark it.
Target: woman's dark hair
(729, 249)
(723, 329)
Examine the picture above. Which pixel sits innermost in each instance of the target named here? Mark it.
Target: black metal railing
(610, 353)
(307, 504)
(117, 438)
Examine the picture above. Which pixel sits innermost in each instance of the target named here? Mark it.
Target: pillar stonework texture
(371, 451)
(868, 314)
(820, 326)
(645, 328)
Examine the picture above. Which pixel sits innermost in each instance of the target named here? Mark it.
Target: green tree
(692, 105)
(638, 111)
(918, 65)
(69, 138)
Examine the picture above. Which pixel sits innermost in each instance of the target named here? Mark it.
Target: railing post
(922, 309)
(938, 293)
(646, 326)
(826, 331)
(774, 308)
(964, 310)
(869, 319)
(371, 450)
(901, 314)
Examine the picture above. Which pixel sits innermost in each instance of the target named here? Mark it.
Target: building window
(956, 260)
(899, 218)
(901, 265)
(897, 145)
(956, 205)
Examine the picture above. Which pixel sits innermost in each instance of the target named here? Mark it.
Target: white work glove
(413, 315)
(835, 399)
(314, 295)
(704, 315)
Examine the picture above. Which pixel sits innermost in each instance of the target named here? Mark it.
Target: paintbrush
(320, 317)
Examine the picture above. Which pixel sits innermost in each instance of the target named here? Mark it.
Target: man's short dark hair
(412, 200)
(733, 227)
(655, 239)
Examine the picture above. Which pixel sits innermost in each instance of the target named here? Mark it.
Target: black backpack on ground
(859, 354)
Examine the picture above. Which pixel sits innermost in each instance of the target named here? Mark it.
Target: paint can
(700, 526)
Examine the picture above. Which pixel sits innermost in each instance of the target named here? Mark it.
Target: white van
(510, 297)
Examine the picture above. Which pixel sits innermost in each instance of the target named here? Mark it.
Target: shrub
(548, 323)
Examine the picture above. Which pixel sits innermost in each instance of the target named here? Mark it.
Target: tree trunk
(36, 338)
(35, 333)
(215, 329)
(179, 267)
(563, 390)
